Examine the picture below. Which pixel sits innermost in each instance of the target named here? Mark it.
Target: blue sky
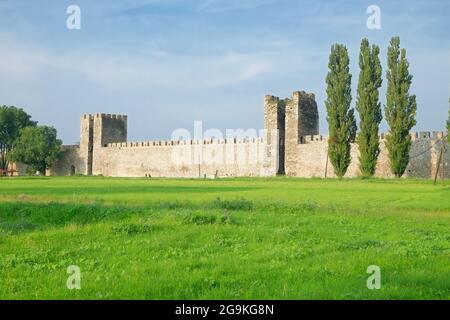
(166, 63)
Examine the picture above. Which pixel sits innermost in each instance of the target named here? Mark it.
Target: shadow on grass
(20, 217)
(138, 189)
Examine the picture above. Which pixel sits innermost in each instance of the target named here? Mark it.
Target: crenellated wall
(291, 145)
(311, 157)
(221, 158)
(104, 150)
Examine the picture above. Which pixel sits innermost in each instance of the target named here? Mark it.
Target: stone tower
(109, 128)
(302, 119)
(86, 143)
(274, 124)
(96, 132)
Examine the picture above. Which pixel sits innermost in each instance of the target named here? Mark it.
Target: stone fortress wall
(312, 161)
(104, 150)
(291, 145)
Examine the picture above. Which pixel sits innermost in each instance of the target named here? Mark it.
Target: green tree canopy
(37, 147)
(340, 117)
(401, 108)
(369, 107)
(12, 120)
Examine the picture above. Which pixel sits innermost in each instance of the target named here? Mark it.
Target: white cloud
(121, 72)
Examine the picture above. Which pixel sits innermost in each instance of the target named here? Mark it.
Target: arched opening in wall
(72, 170)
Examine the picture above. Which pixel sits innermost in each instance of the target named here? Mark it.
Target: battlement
(423, 135)
(87, 117)
(312, 138)
(271, 99)
(104, 116)
(111, 116)
(430, 135)
(298, 94)
(165, 143)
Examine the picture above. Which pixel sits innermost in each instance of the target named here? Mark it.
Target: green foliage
(237, 204)
(37, 147)
(12, 120)
(400, 109)
(369, 107)
(132, 228)
(340, 117)
(311, 239)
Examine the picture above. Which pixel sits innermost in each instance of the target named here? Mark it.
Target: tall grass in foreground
(225, 247)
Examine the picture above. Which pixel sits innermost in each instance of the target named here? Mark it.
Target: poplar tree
(400, 109)
(369, 107)
(340, 117)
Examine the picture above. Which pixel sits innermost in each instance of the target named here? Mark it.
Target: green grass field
(277, 238)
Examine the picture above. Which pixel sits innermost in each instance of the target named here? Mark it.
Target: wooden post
(443, 162)
(438, 165)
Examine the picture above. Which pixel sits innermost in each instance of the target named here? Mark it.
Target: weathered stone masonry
(104, 150)
(291, 145)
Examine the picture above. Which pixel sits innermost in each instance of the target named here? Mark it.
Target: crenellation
(291, 145)
(438, 135)
(312, 138)
(269, 99)
(424, 135)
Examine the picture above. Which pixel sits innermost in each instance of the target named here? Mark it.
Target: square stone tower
(95, 133)
(86, 143)
(109, 128)
(302, 119)
(274, 124)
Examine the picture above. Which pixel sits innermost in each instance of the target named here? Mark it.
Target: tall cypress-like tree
(401, 108)
(340, 117)
(369, 107)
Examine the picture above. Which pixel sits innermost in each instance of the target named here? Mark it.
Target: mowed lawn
(275, 238)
